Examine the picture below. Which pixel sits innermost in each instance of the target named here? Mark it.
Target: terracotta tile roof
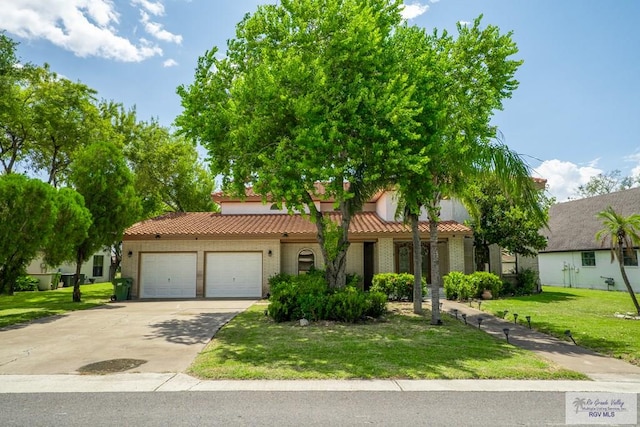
(213, 224)
(573, 225)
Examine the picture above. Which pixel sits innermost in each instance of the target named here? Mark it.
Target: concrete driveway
(166, 335)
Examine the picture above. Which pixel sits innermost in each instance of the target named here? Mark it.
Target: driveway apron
(164, 336)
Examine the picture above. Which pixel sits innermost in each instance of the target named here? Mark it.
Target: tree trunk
(76, 279)
(335, 259)
(435, 268)
(626, 280)
(482, 257)
(417, 265)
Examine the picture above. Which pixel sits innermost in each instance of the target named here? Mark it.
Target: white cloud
(564, 177)
(169, 63)
(84, 27)
(410, 11)
(157, 31)
(154, 8)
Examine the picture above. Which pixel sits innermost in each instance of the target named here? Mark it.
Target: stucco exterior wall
(290, 251)
(37, 266)
(131, 265)
(565, 269)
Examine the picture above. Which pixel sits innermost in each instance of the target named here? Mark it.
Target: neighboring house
(573, 258)
(233, 253)
(96, 269)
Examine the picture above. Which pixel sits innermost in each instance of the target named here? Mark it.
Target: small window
(588, 259)
(306, 261)
(630, 258)
(98, 264)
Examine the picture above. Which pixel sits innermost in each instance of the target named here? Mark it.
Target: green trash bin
(122, 289)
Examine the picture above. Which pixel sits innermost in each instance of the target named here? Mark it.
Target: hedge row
(396, 286)
(308, 297)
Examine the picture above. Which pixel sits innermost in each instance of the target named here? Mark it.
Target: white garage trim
(233, 275)
(168, 275)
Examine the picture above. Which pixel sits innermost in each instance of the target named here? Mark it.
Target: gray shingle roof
(573, 225)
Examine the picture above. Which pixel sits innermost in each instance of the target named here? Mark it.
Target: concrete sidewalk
(566, 354)
(182, 382)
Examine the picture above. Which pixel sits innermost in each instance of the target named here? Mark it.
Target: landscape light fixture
(479, 303)
(440, 305)
(568, 333)
(464, 317)
(515, 317)
(506, 333)
(528, 321)
(480, 319)
(455, 312)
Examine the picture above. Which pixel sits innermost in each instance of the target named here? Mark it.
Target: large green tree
(169, 177)
(27, 214)
(605, 183)
(102, 176)
(308, 92)
(70, 228)
(15, 114)
(499, 219)
(622, 234)
(461, 82)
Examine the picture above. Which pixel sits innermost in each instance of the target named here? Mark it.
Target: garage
(168, 275)
(233, 275)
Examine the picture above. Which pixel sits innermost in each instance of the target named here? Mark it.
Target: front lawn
(26, 306)
(252, 346)
(588, 314)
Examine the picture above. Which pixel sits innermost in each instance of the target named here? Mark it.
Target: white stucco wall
(565, 269)
(37, 266)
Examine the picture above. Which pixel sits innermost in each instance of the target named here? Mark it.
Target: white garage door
(170, 275)
(234, 275)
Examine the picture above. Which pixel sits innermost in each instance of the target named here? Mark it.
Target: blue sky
(575, 114)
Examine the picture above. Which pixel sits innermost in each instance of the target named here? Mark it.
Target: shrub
(26, 283)
(307, 296)
(527, 282)
(396, 286)
(481, 280)
(453, 283)
(347, 305)
(376, 304)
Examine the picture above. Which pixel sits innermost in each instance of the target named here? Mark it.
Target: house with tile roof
(232, 254)
(573, 257)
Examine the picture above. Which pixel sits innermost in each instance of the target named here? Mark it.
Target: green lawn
(26, 306)
(588, 314)
(252, 346)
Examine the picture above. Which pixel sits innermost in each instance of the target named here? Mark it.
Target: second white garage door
(234, 275)
(168, 275)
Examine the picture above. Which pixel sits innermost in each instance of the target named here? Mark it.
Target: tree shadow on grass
(198, 329)
(400, 348)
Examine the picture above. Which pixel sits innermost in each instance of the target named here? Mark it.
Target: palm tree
(623, 233)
